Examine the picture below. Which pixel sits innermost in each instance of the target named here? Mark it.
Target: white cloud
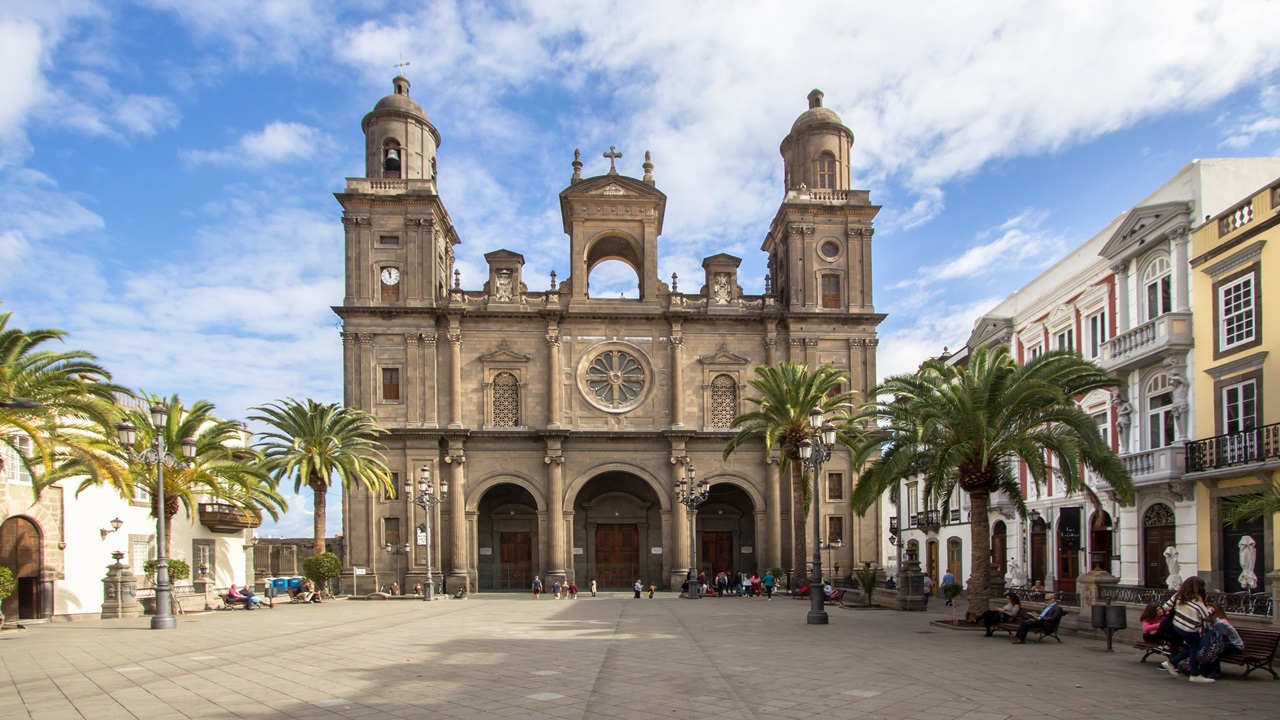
(20, 50)
(278, 142)
(932, 329)
(1241, 133)
(1019, 243)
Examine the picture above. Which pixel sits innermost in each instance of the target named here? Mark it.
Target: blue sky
(168, 166)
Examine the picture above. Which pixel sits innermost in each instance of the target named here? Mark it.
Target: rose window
(615, 379)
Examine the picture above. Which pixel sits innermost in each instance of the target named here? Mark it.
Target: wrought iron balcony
(223, 518)
(1148, 342)
(1259, 445)
(929, 519)
(893, 525)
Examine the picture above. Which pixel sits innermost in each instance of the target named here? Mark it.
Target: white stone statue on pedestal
(1174, 580)
(1017, 578)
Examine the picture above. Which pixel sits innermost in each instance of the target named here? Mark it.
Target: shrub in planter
(952, 591)
(321, 568)
(178, 570)
(7, 586)
(867, 579)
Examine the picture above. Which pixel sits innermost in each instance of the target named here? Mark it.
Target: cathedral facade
(562, 421)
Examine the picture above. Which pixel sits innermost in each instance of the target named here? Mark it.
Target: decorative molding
(364, 338)
(1235, 367)
(722, 356)
(771, 342)
(553, 340)
(1244, 256)
(455, 337)
(557, 459)
(795, 342)
(430, 338)
(412, 338)
(677, 341)
(504, 353)
(811, 342)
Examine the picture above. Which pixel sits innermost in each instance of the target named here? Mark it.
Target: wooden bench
(1259, 650)
(836, 595)
(1047, 630)
(229, 604)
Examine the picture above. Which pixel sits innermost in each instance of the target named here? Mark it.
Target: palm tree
(964, 428)
(60, 407)
(311, 442)
(787, 392)
(223, 468)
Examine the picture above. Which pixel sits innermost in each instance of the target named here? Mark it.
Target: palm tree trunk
(799, 516)
(980, 556)
(168, 534)
(321, 502)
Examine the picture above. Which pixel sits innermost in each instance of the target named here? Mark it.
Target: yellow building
(1236, 450)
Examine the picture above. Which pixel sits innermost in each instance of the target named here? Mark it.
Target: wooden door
(1068, 568)
(617, 558)
(515, 560)
(1154, 540)
(716, 553)
(20, 551)
(1039, 552)
(932, 569)
(1000, 550)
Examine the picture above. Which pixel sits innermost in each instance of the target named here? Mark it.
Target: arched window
(826, 171)
(1158, 281)
(724, 401)
(1160, 420)
(391, 158)
(506, 400)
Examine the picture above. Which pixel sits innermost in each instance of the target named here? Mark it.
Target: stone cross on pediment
(613, 155)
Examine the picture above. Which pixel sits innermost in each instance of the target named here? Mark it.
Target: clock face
(390, 276)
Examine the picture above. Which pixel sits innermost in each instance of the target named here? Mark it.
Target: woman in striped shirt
(1189, 614)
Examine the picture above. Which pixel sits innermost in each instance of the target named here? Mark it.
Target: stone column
(679, 525)
(772, 556)
(410, 391)
(367, 374)
(430, 390)
(455, 374)
(1122, 296)
(553, 376)
(677, 377)
(555, 514)
(770, 348)
(1179, 238)
(457, 522)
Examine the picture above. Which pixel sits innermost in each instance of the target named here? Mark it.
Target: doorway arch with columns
(22, 551)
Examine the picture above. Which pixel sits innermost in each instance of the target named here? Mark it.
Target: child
(652, 588)
(1151, 617)
(1234, 644)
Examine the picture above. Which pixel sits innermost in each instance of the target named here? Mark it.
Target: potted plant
(952, 591)
(178, 570)
(867, 579)
(7, 585)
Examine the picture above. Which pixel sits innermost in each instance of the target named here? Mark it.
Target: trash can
(1099, 617)
(294, 583)
(1116, 617)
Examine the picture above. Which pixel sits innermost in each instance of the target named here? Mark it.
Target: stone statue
(1124, 414)
(1017, 578)
(503, 292)
(1179, 383)
(720, 293)
(1174, 581)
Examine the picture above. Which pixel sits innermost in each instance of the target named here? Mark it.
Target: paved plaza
(607, 657)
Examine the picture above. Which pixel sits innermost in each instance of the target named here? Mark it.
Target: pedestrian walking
(769, 582)
(638, 588)
(948, 579)
(652, 588)
(555, 588)
(537, 587)
(928, 589)
(573, 590)
(593, 587)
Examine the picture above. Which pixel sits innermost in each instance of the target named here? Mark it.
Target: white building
(1122, 298)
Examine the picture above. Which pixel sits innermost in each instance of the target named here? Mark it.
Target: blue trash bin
(294, 583)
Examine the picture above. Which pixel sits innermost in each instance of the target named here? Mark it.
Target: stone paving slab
(610, 657)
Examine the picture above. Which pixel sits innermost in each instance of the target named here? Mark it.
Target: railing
(1135, 339)
(1250, 446)
(1170, 330)
(1066, 599)
(893, 525)
(223, 518)
(829, 195)
(928, 518)
(178, 591)
(1258, 604)
(1236, 219)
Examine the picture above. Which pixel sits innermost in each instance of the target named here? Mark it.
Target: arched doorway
(726, 531)
(617, 521)
(1159, 531)
(1039, 550)
(931, 563)
(507, 533)
(1100, 541)
(21, 550)
(1000, 547)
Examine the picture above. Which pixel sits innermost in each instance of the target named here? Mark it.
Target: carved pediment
(612, 189)
(1142, 223)
(504, 354)
(722, 356)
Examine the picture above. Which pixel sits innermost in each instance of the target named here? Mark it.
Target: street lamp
(691, 495)
(814, 452)
(19, 403)
(159, 456)
(426, 499)
(397, 550)
(830, 546)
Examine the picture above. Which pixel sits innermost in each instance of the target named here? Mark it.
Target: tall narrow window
(1158, 281)
(1035, 352)
(1067, 339)
(391, 531)
(1104, 427)
(1097, 333)
(724, 400)
(1236, 313)
(835, 529)
(390, 383)
(1239, 418)
(826, 171)
(913, 504)
(835, 486)
(506, 400)
(1160, 425)
(831, 291)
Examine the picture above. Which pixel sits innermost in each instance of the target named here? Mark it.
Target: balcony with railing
(929, 519)
(1155, 466)
(1148, 342)
(1223, 453)
(223, 518)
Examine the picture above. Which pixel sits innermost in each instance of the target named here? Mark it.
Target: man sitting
(244, 595)
(1048, 618)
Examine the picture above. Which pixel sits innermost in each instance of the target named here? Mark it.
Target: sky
(167, 167)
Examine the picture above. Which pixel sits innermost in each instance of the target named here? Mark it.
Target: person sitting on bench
(244, 595)
(1010, 613)
(1048, 617)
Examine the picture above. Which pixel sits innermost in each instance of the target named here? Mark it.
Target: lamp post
(814, 452)
(691, 495)
(159, 456)
(426, 499)
(397, 550)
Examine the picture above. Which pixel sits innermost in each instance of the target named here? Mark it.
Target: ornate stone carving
(430, 338)
(412, 338)
(811, 342)
(720, 292)
(365, 338)
(677, 341)
(795, 342)
(503, 290)
(455, 337)
(553, 340)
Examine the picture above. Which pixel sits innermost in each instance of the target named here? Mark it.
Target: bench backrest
(1259, 639)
